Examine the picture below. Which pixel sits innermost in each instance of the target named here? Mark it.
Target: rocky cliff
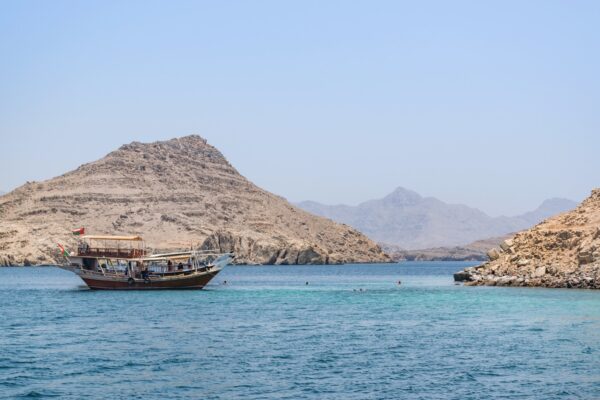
(177, 194)
(563, 251)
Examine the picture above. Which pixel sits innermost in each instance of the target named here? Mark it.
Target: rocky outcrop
(177, 194)
(562, 252)
(272, 252)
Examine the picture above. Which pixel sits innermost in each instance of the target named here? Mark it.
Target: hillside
(410, 221)
(176, 194)
(563, 251)
(476, 251)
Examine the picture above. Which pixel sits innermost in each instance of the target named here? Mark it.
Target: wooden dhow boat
(122, 263)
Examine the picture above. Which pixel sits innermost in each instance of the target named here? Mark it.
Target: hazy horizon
(489, 105)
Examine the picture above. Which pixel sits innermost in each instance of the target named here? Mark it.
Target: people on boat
(115, 266)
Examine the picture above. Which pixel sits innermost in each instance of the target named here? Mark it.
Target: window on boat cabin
(90, 263)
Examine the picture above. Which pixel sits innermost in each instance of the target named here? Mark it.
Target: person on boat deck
(145, 272)
(170, 266)
(180, 266)
(139, 268)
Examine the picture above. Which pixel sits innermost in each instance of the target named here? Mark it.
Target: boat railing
(110, 252)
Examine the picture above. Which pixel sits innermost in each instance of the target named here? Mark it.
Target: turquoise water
(268, 335)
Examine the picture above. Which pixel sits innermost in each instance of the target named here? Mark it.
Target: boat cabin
(127, 256)
(122, 247)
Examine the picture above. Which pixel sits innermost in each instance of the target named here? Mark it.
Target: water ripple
(266, 335)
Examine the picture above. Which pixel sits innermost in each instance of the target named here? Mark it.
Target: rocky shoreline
(249, 251)
(479, 276)
(561, 252)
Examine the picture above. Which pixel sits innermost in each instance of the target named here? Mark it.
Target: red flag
(77, 232)
(63, 251)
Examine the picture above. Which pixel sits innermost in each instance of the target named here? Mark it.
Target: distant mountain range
(409, 221)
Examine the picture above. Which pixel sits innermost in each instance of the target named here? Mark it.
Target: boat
(123, 263)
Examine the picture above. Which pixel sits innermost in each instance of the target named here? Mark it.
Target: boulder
(507, 245)
(523, 262)
(493, 254)
(462, 276)
(539, 272)
(585, 257)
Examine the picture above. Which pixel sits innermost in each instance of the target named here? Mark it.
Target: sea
(387, 331)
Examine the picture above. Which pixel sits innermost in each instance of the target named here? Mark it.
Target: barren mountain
(563, 251)
(410, 221)
(179, 193)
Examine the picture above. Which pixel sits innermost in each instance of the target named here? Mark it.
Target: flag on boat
(77, 232)
(63, 251)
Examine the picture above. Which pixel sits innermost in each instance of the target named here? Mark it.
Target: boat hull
(192, 281)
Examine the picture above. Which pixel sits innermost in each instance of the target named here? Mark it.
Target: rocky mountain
(410, 221)
(563, 251)
(548, 208)
(179, 193)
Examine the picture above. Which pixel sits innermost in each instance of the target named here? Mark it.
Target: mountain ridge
(406, 219)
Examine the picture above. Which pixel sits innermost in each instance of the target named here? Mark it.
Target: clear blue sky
(490, 103)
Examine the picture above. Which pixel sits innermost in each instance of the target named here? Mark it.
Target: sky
(492, 104)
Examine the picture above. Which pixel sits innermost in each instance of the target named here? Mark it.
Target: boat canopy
(182, 255)
(105, 237)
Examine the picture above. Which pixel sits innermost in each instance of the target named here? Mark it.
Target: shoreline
(480, 276)
(236, 265)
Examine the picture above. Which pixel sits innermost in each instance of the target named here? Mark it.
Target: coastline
(264, 265)
(480, 276)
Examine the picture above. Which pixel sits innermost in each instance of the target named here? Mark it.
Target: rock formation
(412, 222)
(177, 194)
(563, 251)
